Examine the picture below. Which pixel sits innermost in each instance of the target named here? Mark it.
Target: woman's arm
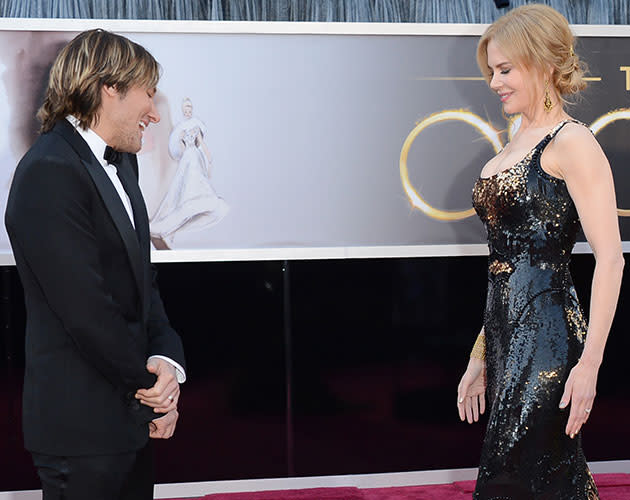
(585, 169)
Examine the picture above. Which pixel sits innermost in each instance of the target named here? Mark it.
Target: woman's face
(511, 82)
(187, 109)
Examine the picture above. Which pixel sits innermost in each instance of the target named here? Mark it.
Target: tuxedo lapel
(140, 216)
(119, 215)
(111, 200)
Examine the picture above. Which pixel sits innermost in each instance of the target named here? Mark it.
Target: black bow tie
(112, 156)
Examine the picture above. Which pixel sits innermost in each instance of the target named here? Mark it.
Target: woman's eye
(505, 71)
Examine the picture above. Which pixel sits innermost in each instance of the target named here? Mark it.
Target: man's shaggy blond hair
(92, 59)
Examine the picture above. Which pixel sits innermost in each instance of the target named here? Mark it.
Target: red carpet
(310, 494)
(611, 487)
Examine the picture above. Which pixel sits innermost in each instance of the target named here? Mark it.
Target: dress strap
(552, 133)
(543, 144)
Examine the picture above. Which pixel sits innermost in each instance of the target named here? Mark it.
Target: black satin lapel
(140, 217)
(141, 221)
(72, 137)
(120, 217)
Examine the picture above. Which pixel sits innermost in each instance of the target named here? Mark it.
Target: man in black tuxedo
(103, 364)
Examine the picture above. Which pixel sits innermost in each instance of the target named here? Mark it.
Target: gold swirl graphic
(492, 136)
(455, 114)
(601, 123)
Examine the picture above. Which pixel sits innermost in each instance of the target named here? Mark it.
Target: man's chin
(129, 148)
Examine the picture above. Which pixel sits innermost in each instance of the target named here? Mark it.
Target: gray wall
(415, 11)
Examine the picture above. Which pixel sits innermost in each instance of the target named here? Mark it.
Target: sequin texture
(535, 332)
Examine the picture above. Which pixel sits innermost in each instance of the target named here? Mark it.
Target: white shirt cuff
(179, 371)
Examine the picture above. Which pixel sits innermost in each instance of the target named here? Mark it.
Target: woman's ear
(549, 73)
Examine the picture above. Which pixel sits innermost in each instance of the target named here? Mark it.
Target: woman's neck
(538, 117)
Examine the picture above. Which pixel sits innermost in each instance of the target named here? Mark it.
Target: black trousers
(125, 476)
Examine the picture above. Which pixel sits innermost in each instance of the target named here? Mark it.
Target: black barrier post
(288, 363)
(7, 340)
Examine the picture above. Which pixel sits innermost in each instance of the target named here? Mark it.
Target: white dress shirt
(97, 146)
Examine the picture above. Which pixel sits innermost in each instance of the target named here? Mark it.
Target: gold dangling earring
(547, 102)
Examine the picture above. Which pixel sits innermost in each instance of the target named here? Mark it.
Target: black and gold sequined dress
(535, 331)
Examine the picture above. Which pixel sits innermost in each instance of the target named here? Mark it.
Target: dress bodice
(190, 136)
(529, 215)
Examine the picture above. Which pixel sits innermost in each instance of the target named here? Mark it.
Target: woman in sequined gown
(536, 360)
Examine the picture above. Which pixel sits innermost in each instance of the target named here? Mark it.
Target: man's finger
(168, 409)
(164, 401)
(159, 399)
(158, 394)
(157, 389)
(162, 405)
(155, 434)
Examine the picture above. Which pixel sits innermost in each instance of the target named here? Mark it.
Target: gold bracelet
(479, 349)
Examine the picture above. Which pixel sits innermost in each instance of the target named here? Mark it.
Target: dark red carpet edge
(611, 487)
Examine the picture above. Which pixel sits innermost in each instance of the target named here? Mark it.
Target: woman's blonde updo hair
(536, 37)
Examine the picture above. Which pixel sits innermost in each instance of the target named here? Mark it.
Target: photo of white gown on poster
(190, 203)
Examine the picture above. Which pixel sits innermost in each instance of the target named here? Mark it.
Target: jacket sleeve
(163, 339)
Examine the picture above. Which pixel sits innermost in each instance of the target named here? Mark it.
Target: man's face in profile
(129, 115)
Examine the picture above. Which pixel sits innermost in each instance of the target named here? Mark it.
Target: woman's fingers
(471, 402)
(460, 402)
(587, 411)
(580, 412)
(469, 413)
(581, 408)
(580, 393)
(460, 409)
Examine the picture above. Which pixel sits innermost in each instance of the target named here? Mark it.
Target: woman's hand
(580, 392)
(471, 391)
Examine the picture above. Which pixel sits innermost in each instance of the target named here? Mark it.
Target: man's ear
(109, 90)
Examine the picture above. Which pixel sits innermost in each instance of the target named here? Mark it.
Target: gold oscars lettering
(492, 136)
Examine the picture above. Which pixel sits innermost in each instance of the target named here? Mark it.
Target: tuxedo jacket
(94, 314)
